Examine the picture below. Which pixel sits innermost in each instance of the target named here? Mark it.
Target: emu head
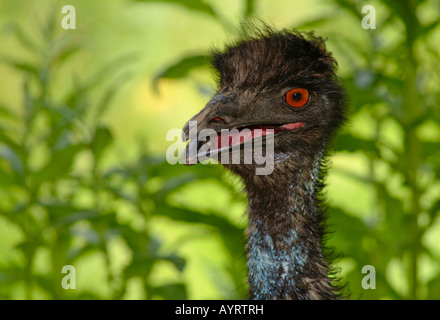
(280, 85)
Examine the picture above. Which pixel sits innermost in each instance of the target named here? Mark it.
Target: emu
(284, 84)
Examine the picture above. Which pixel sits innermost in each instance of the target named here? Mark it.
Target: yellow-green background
(135, 227)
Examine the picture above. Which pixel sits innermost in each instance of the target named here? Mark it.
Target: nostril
(217, 119)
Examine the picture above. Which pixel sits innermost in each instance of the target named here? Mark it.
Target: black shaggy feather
(286, 255)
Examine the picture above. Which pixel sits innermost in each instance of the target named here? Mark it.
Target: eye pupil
(297, 96)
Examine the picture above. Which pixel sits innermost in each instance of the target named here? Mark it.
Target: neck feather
(285, 256)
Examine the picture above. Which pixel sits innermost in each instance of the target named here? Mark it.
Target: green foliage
(404, 103)
(182, 68)
(193, 5)
(72, 213)
(64, 203)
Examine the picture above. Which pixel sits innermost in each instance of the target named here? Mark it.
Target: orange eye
(297, 97)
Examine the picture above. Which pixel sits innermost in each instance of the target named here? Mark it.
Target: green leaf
(250, 8)
(27, 42)
(76, 253)
(177, 261)
(174, 291)
(430, 149)
(181, 68)
(426, 29)
(6, 179)
(47, 29)
(406, 13)
(104, 72)
(29, 103)
(109, 94)
(434, 289)
(358, 96)
(30, 245)
(173, 184)
(105, 223)
(7, 140)
(65, 53)
(21, 65)
(10, 275)
(61, 214)
(191, 216)
(350, 143)
(347, 232)
(6, 112)
(435, 210)
(350, 7)
(59, 165)
(194, 5)
(13, 158)
(313, 23)
(87, 295)
(45, 282)
(101, 140)
(140, 266)
(158, 167)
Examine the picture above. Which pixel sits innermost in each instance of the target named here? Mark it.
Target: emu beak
(190, 133)
(220, 105)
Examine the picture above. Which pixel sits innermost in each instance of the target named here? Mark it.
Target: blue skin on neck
(271, 269)
(276, 265)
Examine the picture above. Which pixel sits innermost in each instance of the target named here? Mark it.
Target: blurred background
(83, 119)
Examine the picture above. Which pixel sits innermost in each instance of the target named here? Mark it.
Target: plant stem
(412, 109)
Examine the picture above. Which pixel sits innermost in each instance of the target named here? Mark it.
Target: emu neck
(285, 257)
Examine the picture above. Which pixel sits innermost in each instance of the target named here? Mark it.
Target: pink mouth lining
(229, 138)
